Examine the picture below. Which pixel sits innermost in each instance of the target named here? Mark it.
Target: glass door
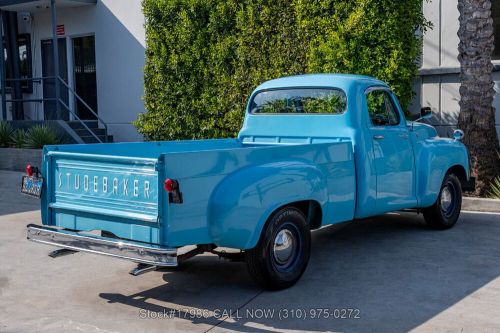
(84, 71)
(49, 85)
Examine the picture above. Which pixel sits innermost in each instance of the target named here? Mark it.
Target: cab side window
(381, 108)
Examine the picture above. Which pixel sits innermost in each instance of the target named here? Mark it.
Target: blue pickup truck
(314, 150)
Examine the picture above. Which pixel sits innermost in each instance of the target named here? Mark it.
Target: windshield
(303, 100)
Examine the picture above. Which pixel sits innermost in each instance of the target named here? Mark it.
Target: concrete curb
(481, 204)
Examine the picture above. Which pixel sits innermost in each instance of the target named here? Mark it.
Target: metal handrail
(28, 100)
(99, 119)
(30, 78)
(81, 121)
(86, 105)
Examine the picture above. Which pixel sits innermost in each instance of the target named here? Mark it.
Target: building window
(495, 13)
(24, 45)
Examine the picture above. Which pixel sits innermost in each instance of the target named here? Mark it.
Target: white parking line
(476, 212)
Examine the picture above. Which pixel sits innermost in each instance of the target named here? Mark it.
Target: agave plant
(5, 134)
(495, 189)
(39, 136)
(495, 186)
(18, 138)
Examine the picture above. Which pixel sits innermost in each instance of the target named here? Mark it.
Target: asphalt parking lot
(391, 271)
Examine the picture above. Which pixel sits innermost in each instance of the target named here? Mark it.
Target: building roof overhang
(40, 5)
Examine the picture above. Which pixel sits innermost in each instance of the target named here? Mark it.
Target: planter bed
(15, 159)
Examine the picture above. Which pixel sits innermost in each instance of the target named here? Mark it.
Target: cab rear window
(299, 101)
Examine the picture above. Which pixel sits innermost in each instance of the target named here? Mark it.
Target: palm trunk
(477, 115)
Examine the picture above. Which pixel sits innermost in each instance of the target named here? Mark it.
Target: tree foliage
(204, 57)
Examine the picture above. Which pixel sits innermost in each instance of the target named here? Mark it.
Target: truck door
(392, 151)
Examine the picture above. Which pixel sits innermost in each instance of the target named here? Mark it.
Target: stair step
(78, 125)
(87, 134)
(92, 139)
(84, 132)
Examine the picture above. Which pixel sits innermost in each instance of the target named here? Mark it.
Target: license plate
(32, 186)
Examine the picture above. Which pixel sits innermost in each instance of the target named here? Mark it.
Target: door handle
(403, 136)
(378, 137)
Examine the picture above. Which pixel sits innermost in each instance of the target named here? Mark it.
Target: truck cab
(314, 150)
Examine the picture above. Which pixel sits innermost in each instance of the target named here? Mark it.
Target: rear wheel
(282, 253)
(444, 213)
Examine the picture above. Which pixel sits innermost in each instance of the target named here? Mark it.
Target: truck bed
(142, 211)
(152, 149)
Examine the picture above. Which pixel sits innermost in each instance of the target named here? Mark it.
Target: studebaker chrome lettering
(146, 189)
(136, 188)
(100, 184)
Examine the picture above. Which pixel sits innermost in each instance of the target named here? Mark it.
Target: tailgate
(102, 192)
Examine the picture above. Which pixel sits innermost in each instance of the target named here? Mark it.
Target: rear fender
(242, 203)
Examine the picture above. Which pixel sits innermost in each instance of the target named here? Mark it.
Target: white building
(439, 82)
(101, 57)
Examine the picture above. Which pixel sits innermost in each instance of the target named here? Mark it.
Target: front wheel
(282, 253)
(446, 210)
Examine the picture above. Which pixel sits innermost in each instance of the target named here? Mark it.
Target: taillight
(174, 193)
(32, 170)
(29, 170)
(169, 185)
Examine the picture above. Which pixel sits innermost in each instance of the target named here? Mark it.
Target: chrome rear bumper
(124, 249)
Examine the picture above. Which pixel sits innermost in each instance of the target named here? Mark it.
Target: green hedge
(204, 57)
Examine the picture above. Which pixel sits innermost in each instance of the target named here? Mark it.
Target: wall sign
(60, 29)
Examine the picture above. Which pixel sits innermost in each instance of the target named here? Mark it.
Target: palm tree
(477, 115)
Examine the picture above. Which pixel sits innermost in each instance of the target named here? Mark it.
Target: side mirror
(425, 113)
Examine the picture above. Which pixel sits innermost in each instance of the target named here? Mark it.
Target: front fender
(241, 204)
(434, 158)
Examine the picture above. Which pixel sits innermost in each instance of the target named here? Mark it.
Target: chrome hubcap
(284, 246)
(446, 199)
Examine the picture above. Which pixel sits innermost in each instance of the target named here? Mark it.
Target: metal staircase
(89, 131)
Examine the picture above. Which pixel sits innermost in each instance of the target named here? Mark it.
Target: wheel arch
(459, 171)
(311, 209)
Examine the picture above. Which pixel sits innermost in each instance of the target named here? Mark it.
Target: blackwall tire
(282, 253)
(444, 213)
